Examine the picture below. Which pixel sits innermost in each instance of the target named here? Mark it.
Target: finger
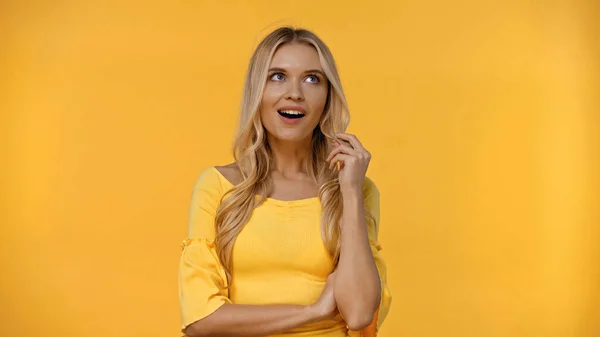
(361, 151)
(352, 139)
(340, 142)
(333, 153)
(342, 149)
(340, 157)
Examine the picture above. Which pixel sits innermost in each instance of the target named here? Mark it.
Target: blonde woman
(284, 240)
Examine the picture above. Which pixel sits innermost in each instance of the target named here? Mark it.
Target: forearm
(357, 286)
(253, 320)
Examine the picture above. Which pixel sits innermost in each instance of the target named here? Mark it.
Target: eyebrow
(306, 72)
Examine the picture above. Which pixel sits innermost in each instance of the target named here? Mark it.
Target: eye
(277, 77)
(313, 78)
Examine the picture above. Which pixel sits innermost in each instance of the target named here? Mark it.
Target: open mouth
(293, 114)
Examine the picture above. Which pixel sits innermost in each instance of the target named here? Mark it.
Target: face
(295, 93)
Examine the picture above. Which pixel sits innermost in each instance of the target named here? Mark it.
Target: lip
(291, 120)
(292, 107)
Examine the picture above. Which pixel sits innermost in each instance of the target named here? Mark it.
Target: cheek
(268, 102)
(268, 98)
(317, 99)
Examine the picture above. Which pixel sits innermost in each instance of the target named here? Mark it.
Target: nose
(294, 92)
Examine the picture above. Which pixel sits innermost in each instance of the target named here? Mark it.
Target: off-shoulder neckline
(269, 199)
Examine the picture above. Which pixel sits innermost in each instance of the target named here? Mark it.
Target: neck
(290, 157)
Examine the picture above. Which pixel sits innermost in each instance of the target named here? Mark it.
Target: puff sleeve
(371, 197)
(202, 279)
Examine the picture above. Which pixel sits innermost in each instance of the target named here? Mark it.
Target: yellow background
(483, 120)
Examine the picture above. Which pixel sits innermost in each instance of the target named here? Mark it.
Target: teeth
(292, 112)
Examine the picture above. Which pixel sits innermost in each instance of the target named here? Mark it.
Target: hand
(354, 161)
(326, 307)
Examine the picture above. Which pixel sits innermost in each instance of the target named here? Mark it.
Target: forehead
(296, 56)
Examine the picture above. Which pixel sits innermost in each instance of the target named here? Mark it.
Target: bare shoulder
(231, 172)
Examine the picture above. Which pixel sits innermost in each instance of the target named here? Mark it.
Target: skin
(353, 289)
(295, 79)
(357, 287)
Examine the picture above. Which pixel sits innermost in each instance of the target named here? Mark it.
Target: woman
(284, 240)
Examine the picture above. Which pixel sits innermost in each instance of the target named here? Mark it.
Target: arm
(357, 286)
(253, 320)
(206, 307)
(242, 320)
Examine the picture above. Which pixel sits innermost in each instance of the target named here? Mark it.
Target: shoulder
(371, 196)
(370, 189)
(212, 183)
(371, 199)
(231, 172)
(215, 181)
(209, 184)
(208, 178)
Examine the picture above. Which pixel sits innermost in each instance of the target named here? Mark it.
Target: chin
(290, 137)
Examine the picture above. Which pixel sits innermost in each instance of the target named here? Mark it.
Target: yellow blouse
(279, 257)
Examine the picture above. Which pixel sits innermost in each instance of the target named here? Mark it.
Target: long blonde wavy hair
(254, 156)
